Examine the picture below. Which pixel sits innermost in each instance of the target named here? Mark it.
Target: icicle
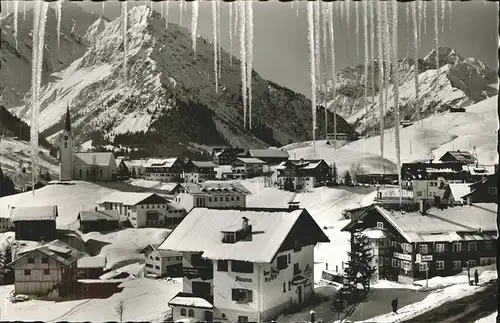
(365, 24)
(317, 44)
(324, 41)
(214, 35)
(16, 6)
(395, 76)
(424, 18)
(381, 80)
(443, 9)
(357, 29)
(151, 8)
(408, 30)
(161, 9)
(249, 30)
(331, 32)
(124, 35)
(312, 65)
(415, 58)
(219, 47)
(372, 49)
(297, 9)
(59, 17)
(24, 10)
(194, 24)
(102, 12)
(450, 9)
(236, 15)
(37, 66)
(231, 34)
(166, 13)
(348, 14)
(436, 38)
(181, 10)
(387, 53)
(243, 59)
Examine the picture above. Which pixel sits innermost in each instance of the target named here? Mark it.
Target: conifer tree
(359, 268)
(347, 178)
(335, 174)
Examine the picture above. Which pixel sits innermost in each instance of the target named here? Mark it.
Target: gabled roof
(101, 159)
(96, 215)
(302, 163)
(189, 300)
(129, 198)
(203, 164)
(459, 190)
(463, 157)
(449, 222)
(250, 160)
(57, 250)
(268, 153)
(156, 162)
(33, 213)
(201, 229)
(216, 187)
(161, 252)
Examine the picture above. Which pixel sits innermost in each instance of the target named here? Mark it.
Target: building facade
(199, 171)
(247, 167)
(271, 156)
(227, 155)
(34, 223)
(303, 174)
(243, 280)
(163, 170)
(445, 241)
(161, 263)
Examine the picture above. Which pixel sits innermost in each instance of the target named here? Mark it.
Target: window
(422, 266)
(419, 193)
(395, 263)
(100, 173)
(157, 258)
(80, 175)
(284, 287)
(439, 265)
(183, 312)
(492, 190)
(27, 272)
(296, 269)
(157, 267)
(210, 199)
(31, 260)
(242, 295)
(45, 260)
(282, 262)
(488, 245)
(242, 319)
(65, 144)
(457, 247)
(440, 247)
(289, 286)
(457, 265)
(215, 199)
(406, 247)
(222, 265)
(191, 312)
(423, 248)
(232, 198)
(380, 225)
(386, 261)
(487, 261)
(472, 246)
(46, 272)
(227, 198)
(472, 263)
(237, 198)
(406, 265)
(242, 267)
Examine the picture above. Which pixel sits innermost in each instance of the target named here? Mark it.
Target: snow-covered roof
(216, 187)
(157, 162)
(57, 250)
(200, 231)
(268, 153)
(464, 157)
(459, 190)
(189, 300)
(91, 262)
(480, 169)
(127, 198)
(94, 215)
(33, 213)
(469, 218)
(101, 159)
(232, 185)
(161, 252)
(250, 160)
(374, 233)
(203, 164)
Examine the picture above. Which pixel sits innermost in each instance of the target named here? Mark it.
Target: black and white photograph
(307, 161)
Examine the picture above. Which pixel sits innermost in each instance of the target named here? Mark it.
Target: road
(466, 309)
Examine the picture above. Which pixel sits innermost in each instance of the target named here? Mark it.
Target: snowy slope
(69, 198)
(440, 132)
(462, 82)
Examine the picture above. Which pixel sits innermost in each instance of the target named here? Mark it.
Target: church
(91, 166)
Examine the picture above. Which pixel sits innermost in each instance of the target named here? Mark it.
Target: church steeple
(67, 122)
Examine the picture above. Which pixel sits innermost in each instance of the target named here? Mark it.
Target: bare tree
(356, 170)
(119, 309)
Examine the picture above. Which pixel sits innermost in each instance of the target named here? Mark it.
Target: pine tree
(340, 302)
(347, 178)
(359, 267)
(335, 174)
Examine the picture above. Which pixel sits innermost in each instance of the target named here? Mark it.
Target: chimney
(96, 208)
(422, 207)
(479, 230)
(244, 225)
(293, 205)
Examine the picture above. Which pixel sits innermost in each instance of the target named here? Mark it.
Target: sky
(281, 51)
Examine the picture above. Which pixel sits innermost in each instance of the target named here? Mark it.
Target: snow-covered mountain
(169, 95)
(461, 82)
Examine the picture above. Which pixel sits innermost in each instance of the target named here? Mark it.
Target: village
(239, 261)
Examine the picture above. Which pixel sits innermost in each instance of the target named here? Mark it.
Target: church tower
(66, 151)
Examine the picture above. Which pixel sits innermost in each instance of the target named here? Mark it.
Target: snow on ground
(488, 319)
(441, 132)
(133, 269)
(164, 186)
(134, 122)
(70, 199)
(12, 151)
(144, 300)
(436, 299)
(86, 146)
(126, 245)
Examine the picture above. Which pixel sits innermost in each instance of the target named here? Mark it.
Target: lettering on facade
(402, 256)
(269, 276)
(427, 258)
(243, 279)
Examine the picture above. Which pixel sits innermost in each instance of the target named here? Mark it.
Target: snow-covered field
(70, 199)
(445, 131)
(488, 319)
(126, 245)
